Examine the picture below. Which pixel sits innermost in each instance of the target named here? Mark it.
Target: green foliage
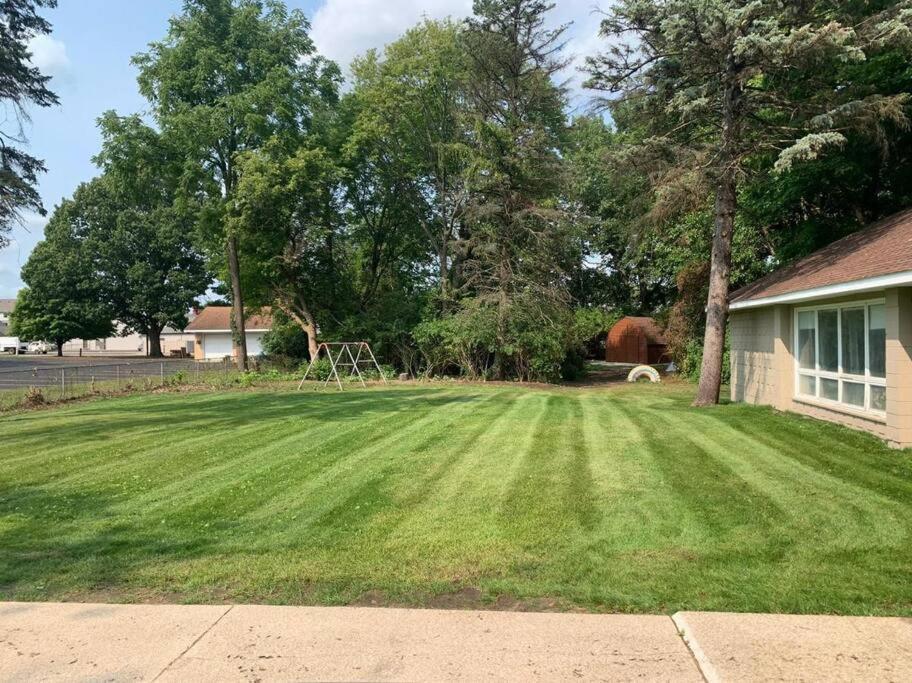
(140, 229)
(690, 360)
(22, 85)
(467, 341)
(286, 340)
(63, 299)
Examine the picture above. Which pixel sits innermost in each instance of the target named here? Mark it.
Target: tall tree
(516, 171)
(411, 127)
(287, 224)
(21, 85)
(717, 81)
(140, 231)
(230, 75)
(63, 299)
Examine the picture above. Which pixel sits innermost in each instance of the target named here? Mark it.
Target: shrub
(466, 342)
(33, 398)
(286, 339)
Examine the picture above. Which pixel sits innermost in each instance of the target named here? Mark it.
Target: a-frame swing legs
(336, 361)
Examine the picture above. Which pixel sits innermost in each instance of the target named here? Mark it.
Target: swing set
(345, 355)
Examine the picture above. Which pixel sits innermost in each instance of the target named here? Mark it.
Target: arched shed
(636, 340)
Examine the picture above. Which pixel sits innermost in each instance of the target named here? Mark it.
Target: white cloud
(344, 29)
(49, 55)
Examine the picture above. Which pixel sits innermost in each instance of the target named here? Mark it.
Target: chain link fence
(64, 380)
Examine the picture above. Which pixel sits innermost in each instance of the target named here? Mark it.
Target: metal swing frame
(338, 361)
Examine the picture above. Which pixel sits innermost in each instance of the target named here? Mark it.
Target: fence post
(163, 373)
(62, 383)
(117, 371)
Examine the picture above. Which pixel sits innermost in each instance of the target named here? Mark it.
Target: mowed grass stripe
(347, 492)
(623, 499)
(265, 468)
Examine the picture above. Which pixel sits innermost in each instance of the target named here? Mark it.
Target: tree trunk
(442, 255)
(154, 337)
(717, 301)
(60, 343)
(238, 329)
(304, 318)
(500, 362)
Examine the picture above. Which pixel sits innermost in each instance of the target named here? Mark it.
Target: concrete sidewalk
(70, 641)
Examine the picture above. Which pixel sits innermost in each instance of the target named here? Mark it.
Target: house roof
(870, 259)
(218, 319)
(7, 305)
(648, 326)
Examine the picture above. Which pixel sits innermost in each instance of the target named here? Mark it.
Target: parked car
(41, 347)
(13, 345)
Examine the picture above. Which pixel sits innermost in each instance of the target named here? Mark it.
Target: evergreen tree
(518, 239)
(715, 82)
(21, 84)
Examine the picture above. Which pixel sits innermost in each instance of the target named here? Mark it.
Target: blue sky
(88, 54)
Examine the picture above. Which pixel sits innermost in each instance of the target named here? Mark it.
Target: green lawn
(617, 499)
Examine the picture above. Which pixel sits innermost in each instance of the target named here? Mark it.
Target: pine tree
(517, 114)
(713, 82)
(21, 84)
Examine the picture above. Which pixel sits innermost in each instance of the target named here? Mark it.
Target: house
(831, 335)
(636, 340)
(133, 343)
(212, 333)
(6, 309)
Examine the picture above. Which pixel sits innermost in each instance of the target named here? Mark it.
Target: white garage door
(255, 344)
(216, 345)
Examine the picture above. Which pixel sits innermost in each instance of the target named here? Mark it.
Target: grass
(613, 499)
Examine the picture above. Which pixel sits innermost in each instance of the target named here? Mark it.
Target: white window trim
(866, 379)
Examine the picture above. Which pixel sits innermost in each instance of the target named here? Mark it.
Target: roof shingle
(884, 248)
(219, 318)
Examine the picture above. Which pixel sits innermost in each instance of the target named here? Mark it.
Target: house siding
(753, 356)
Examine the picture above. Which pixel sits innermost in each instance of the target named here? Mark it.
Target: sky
(88, 55)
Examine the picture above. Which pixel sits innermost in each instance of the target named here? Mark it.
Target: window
(840, 355)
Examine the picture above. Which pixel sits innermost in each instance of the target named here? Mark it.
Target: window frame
(867, 379)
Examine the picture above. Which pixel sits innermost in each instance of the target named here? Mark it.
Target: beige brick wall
(753, 356)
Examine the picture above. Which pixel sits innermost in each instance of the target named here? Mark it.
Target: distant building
(211, 330)
(636, 340)
(172, 342)
(6, 308)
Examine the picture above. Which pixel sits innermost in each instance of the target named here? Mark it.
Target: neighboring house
(211, 330)
(131, 344)
(636, 340)
(831, 335)
(6, 308)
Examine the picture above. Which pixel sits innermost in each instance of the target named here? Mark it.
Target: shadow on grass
(53, 545)
(228, 410)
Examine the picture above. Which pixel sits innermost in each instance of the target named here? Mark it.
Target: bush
(286, 339)
(466, 342)
(322, 369)
(33, 398)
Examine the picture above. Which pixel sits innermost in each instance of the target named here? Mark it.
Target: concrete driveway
(70, 641)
